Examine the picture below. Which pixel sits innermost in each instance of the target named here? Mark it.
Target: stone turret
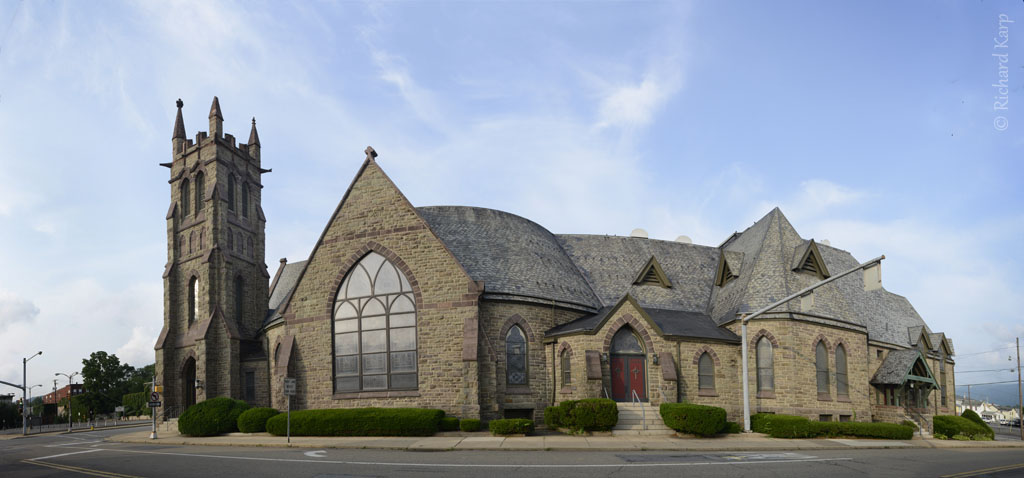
(178, 138)
(254, 141)
(216, 119)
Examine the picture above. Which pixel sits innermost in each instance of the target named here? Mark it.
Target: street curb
(775, 446)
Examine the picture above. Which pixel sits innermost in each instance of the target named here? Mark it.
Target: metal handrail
(643, 409)
(606, 395)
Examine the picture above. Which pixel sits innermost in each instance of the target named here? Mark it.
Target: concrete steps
(640, 419)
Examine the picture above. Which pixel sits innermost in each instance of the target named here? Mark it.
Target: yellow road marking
(76, 469)
(986, 470)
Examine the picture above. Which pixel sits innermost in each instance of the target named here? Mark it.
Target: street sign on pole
(154, 396)
(289, 390)
(154, 404)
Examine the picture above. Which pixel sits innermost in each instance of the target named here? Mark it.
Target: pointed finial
(179, 123)
(254, 137)
(215, 109)
(370, 153)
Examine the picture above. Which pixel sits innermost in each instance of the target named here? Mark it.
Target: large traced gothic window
(821, 365)
(374, 329)
(193, 300)
(765, 366)
(515, 356)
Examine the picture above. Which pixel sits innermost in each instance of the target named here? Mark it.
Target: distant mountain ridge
(1003, 394)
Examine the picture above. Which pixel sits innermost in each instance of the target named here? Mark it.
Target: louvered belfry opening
(811, 265)
(650, 278)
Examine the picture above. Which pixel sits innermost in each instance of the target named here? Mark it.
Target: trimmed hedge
(254, 420)
(732, 427)
(511, 426)
(589, 414)
(791, 426)
(952, 425)
(448, 424)
(469, 425)
(699, 420)
(889, 431)
(582, 415)
(211, 417)
(359, 422)
(972, 416)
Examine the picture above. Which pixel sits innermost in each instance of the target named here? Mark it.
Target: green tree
(9, 416)
(141, 378)
(105, 380)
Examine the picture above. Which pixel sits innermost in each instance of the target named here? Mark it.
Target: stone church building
(486, 314)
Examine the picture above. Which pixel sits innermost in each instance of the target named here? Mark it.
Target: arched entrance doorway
(628, 366)
(188, 384)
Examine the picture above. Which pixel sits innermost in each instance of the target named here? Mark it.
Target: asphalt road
(87, 454)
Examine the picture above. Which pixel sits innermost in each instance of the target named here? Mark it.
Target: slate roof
(895, 367)
(611, 263)
(287, 277)
(671, 322)
(510, 254)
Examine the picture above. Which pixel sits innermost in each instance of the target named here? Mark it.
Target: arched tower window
(706, 372)
(245, 199)
(186, 203)
(200, 191)
(516, 365)
(231, 240)
(193, 300)
(566, 368)
(765, 366)
(252, 251)
(239, 298)
(375, 329)
(821, 365)
(842, 382)
(231, 192)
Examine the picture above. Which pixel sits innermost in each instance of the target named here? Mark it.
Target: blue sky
(870, 124)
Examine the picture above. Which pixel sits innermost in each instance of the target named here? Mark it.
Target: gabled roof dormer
(808, 259)
(651, 274)
(725, 272)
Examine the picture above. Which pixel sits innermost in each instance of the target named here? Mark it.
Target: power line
(992, 370)
(985, 352)
(986, 383)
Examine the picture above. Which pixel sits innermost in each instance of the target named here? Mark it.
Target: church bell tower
(215, 279)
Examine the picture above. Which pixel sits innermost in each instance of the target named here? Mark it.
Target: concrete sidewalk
(484, 441)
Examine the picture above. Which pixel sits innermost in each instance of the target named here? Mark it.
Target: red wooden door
(619, 379)
(637, 378)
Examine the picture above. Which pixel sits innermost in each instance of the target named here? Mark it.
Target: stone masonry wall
(376, 216)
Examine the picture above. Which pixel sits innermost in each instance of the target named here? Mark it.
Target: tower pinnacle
(254, 137)
(216, 119)
(179, 123)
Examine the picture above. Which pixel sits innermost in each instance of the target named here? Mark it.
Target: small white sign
(289, 386)
(118, 409)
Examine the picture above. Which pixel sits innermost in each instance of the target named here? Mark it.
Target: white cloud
(138, 349)
(814, 199)
(633, 105)
(14, 309)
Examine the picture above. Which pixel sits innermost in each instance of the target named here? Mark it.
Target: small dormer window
(725, 273)
(651, 274)
(808, 259)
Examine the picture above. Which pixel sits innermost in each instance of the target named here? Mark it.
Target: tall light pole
(24, 392)
(70, 391)
(748, 317)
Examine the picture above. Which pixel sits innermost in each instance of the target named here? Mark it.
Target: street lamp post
(70, 391)
(24, 392)
(748, 317)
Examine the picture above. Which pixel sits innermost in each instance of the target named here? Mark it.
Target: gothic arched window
(375, 329)
(516, 367)
(252, 252)
(842, 382)
(200, 186)
(231, 192)
(186, 205)
(821, 366)
(942, 376)
(245, 199)
(231, 240)
(193, 300)
(765, 366)
(566, 368)
(705, 372)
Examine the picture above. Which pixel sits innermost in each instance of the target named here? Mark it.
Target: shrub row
(972, 416)
(589, 414)
(790, 426)
(469, 425)
(701, 420)
(211, 417)
(511, 426)
(952, 425)
(359, 422)
(254, 420)
(448, 424)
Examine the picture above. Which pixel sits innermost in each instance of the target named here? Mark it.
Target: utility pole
(24, 392)
(1020, 402)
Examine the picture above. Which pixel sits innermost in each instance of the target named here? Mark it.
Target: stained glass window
(821, 365)
(842, 382)
(375, 329)
(706, 372)
(765, 366)
(515, 356)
